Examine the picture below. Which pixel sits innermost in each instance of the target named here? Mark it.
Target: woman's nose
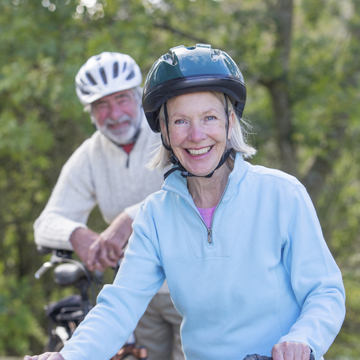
(196, 133)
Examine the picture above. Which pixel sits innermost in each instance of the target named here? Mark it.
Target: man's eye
(180, 121)
(122, 99)
(211, 117)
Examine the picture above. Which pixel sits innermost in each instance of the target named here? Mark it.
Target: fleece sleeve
(133, 210)
(70, 203)
(120, 305)
(316, 279)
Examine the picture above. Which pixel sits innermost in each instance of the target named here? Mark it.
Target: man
(109, 170)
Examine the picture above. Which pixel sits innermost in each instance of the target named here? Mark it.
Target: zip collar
(178, 184)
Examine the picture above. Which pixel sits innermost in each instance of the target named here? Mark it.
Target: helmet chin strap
(174, 160)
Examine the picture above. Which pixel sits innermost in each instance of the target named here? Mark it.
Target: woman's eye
(211, 117)
(180, 121)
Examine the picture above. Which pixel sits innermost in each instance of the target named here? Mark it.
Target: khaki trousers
(159, 330)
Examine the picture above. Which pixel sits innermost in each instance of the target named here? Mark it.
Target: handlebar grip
(259, 357)
(42, 270)
(311, 357)
(270, 358)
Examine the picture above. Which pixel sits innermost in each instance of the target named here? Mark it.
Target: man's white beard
(120, 137)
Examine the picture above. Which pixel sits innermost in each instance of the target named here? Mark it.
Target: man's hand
(45, 356)
(81, 240)
(108, 247)
(289, 350)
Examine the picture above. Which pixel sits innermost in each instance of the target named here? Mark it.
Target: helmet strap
(175, 161)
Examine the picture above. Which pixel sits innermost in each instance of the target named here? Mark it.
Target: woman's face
(197, 127)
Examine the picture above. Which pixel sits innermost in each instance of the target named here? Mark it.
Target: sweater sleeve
(69, 205)
(316, 279)
(120, 305)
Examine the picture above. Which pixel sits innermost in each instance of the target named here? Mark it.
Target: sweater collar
(178, 184)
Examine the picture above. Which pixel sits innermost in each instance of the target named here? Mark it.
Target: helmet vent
(168, 59)
(131, 75)
(91, 79)
(103, 75)
(84, 92)
(124, 67)
(115, 69)
(215, 54)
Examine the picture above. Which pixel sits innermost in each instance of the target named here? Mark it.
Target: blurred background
(300, 59)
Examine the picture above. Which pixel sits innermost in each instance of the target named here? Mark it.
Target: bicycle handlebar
(57, 257)
(43, 269)
(259, 357)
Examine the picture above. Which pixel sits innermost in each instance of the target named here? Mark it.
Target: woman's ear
(232, 119)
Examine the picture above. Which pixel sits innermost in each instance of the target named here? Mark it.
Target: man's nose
(115, 111)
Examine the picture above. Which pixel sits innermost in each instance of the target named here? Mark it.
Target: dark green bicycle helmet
(192, 69)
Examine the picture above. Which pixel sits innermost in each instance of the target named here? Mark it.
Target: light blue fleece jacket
(261, 276)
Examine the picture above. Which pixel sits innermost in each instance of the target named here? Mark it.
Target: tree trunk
(282, 13)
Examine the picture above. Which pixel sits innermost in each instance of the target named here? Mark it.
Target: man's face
(117, 116)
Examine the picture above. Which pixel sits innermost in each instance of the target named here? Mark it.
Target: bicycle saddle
(68, 274)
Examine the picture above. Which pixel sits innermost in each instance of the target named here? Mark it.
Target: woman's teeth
(194, 152)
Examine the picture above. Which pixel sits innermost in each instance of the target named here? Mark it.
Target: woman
(240, 245)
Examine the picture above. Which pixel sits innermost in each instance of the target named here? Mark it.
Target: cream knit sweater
(98, 173)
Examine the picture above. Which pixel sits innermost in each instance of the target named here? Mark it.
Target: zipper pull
(209, 236)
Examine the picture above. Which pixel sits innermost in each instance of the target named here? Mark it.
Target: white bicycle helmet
(105, 74)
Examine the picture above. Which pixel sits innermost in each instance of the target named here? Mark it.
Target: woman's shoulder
(156, 199)
(276, 185)
(274, 176)
(155, 206)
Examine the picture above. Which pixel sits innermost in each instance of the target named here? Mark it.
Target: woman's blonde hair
(238, 139)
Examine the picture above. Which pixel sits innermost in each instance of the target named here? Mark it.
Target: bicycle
(65, 315)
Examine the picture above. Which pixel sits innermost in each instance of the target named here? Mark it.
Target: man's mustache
(120, 120)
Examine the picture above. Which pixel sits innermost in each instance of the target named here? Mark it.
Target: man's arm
(69, 205)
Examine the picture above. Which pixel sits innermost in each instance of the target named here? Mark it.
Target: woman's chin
(201, 172)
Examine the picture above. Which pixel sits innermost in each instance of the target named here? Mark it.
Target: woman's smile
(198, 152)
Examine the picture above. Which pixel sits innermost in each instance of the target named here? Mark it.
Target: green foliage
(310, 62)
(20, 326)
